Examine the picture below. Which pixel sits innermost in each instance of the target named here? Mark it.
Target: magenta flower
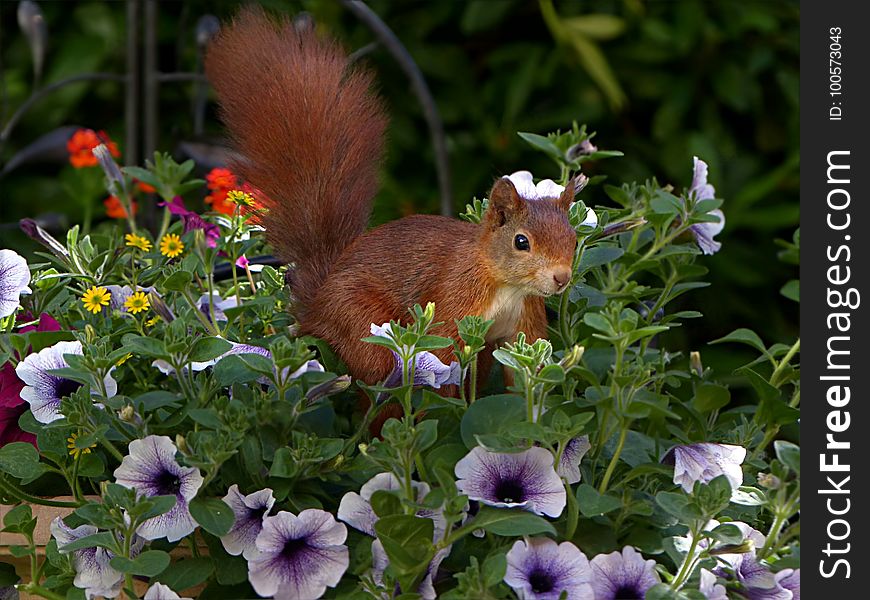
(540, 569)
(192, 220)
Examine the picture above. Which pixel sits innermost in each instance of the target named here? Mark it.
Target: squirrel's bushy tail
(310, 134)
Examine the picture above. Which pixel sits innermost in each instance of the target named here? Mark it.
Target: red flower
(115, 209)
(80, 147)
(221, 179)
(11, 404)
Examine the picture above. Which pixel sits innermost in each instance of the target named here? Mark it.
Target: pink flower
(193, 221)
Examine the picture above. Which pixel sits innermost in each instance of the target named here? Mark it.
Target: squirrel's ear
(567, 197)
(504, 201)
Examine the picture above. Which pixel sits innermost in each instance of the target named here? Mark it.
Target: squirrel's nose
(561, 276)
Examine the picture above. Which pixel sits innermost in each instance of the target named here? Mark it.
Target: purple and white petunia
(541, 569)
(43, 390)
(524, 480)
(790, 580)
(545, 189)
(299, 556)
(218, 304)
(151, 469)
(426, 589)
(704, 462)
(525, 185)
(356, 509)
(622, 575)
(705, 232)
(709, 587)
(14, 281)
(94, 574)
(158, 591)
(250, 511)
(569, 463)
(428, 368)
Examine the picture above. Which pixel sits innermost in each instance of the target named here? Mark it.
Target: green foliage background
(661, 81)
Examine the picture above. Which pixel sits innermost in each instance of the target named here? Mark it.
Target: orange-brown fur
(310, 131)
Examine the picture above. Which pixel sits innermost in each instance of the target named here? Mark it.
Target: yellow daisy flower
(152, 321)
(240, 198)
(137, 303)
(138, 241)
(73, 451)
(95, 298)
(171, 245)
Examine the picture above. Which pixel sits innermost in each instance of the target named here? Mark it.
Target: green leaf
(676, 504)
(511, 522)
(543, 144)
(187, 573)
(710, 397)
(593, 504)
(212, 514)
(792, 290)
(407, 541)
(727, 534)
(494, 569)
(143, 346)
(385, 503)
(103, 539)
(789, 454)
(599, 27)
(178, 281)
(743, 336)
(491, 415)
(21, 460)
(147, 564)
(597, 256)
(666, 203)
(208, 348)
(18, 516)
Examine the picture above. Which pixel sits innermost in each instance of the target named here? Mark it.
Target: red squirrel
(310, 133)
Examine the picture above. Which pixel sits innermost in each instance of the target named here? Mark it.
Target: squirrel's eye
(521, 242)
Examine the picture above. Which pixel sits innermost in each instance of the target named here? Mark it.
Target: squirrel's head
(529, 242)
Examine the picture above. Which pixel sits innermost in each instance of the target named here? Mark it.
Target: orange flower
(221, 179)
(219, 201)
(81, 144)
(145, 188)
(115, 209)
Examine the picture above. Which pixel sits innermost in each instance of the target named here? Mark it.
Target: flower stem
(777, 373)
(9, 488)
(614, 460)
(688, 562)
(472, 385)
(38, 590)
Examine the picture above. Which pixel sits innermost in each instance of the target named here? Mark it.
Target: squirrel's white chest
(505, 309)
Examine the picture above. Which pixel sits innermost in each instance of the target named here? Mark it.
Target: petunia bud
(572, 357)
(90, 334)
(126, 414)
(160, 307)
(181, 443)
(695, 363)
(117, 185)
(622, 227)
(327, 388)
(37, 233)
(744, 547)
(769, 481)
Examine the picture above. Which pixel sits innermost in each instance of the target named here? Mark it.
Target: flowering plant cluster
(153, 388)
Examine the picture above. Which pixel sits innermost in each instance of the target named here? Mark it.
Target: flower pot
(42, 535)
